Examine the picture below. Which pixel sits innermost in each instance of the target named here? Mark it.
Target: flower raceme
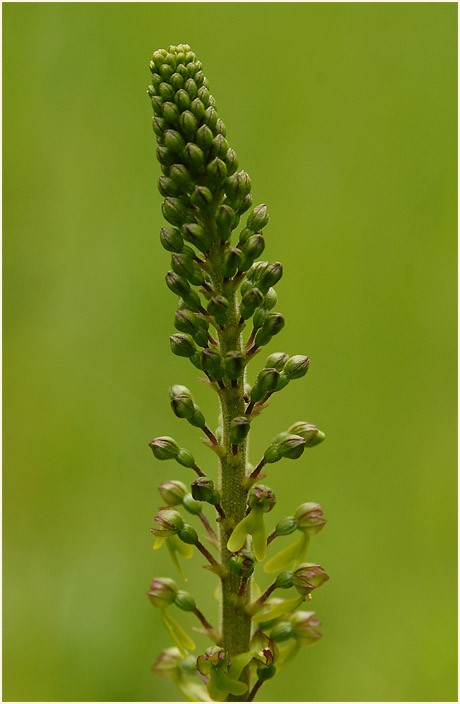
(225, 313)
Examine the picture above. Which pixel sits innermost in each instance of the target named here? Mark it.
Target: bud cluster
(226, 311)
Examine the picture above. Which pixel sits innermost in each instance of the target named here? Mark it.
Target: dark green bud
(181, 177)
(203, 489)
(292, 446)
(184, 601)
(174, 211)
(171, 239)
(198, 109)
(188, 322)
(266, 382)
(171, 113)
(166, 91)
(183, 406)
(194, 157)
(192, 300)
(191, 88)
(164, 448)
(188, 535)
(166, 71)
(201, 198)
(182, 100)
(197, 235)
(266, 673)
(188, 123)
(239, 429)
(272, 454)
(177, 284)
(216, 172)
(270, 276)
(284, 579)
(232, 258)
(297, 366)
(234, 364)
(242, 563)
(172, 492)
(271, 299)
(182, 345)
(252, 249)
(282, 381)
(211, 362)
(220, 127)
(165, 157)
(218, 308)
(258, 218)
(204, 137)
(167, 187)
(245, 205)
(197, 419)
(157, 105)
(308, 432)
(220, 146)
(204, 95)
(176, 81)
(174, 141)
(249, 302)
(286, 526)
(159, 125)
(182, 264)
(231, 160)
(237, 187)
(224, 220)
(210, 117)
(274, 323)
(245, 234)
(277, 360)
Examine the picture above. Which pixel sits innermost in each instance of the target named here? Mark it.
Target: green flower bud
(286, 526)
(309, 576)
(167, 187)
(191, 88)
(162, 592)
(284, 579)
(188, 123)
(308, 432)
(182, 264)
(166, 71)
(171, 113)
(272, 454)
(197, 235)
(245, 234)
(260, 316)
(297, 366)
(309, 518)
(258, 218)
(237, 187)
(266, 673)
(277, 360)
(205, 96)
(167, 665)
(166, 91)
(220, 127)
(181, 177)
(262, 497)
(252, 249)
(194, 157)
(157, 105)
(192, 300)
(219, 146)
(270, 276)
(204, 136)
(174, 141)
(201, 198)
(159, 125)
(245, 205)
(242, 563)
(234, 364)
(165, 157)
(210, 117)
(281, 632)
(271, 299)
(179, 390)
(198, 109)
(239, 429)
(282, 381)
(274, 323)
(183, 406)
(224, 220)
(249, 302)
(292, 446)
(231, 160)
(188, 535)
(172, 492)
(174, 211)
(170, 522)
(231, 263)
(203, 489)
(164, 448)
(211, 362)
(182, 345)
(266, 382)
(191, 505)
(185, 458)
(188, 322)
(185, 601)
(218, 308)
(176, 81)
(217, 173)
(182, 100)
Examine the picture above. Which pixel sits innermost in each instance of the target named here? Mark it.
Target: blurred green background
(345, 117)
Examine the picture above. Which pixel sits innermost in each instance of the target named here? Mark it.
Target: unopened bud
(277, 360)
(169, 521)
(194, 157)
(292, 446)
(171, 239)
(211, 362)
(173, 492)
(182, 345)
(174, 211)
(266, 382)
(183, 406)
(185, 458)
(164, 448)
(286, 526)
(297, 366)
(162, 592)
(242, 563)
(224, 221)
(181, 177)
(188, 123)
(258, 218)
(201, 198)
(217, 173)
(234, 364)
(239, 429)
(231, 263)
(231, 160)
(284, 579)
(171, 113)
(237, 187)
(174, 141)
(218, 308)
(249, 302)
(188, 535)
(272, 454)
(204, 137)
(270, 276)
(203, 489)
(198, 236)
(252, 249)
(308, 432)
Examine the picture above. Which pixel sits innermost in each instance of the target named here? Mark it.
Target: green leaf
(180, 637)
(271, 611)
(296, 551)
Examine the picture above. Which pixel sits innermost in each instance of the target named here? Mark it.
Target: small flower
(309, 576)
(170, 522)
(309, 517)
(162, 592)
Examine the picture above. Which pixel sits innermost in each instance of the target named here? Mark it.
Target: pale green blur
(344, 115)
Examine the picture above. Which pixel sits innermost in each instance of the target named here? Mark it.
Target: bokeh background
(345, 117)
